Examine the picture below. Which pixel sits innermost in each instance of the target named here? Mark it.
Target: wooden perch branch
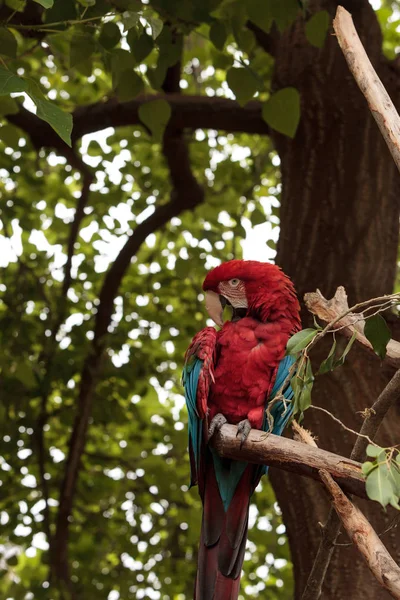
(331, 310)
(366, 540)
(262, 448)
(329, 531)
(379, 102)
(359, 530)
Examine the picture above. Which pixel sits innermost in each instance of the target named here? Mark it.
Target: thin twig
(332, 416)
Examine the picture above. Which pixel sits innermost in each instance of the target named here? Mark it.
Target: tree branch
(87, 179)
(289, 455)
(379, 102)
(267, 41)
(359, 531)
(332, 310)
(188, 112)
(363, 536)
(186, 194)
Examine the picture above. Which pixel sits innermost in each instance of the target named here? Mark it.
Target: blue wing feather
(228, 473)
(280, 412)
(190, 380)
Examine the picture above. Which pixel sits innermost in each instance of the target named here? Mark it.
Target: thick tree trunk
(339, 226)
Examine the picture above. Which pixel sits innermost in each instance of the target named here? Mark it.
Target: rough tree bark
(339, 226)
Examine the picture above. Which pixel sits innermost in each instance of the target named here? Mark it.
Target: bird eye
(234, 282)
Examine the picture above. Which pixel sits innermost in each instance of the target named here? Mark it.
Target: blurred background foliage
(135, 524)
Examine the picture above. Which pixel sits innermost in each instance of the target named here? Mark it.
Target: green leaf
(304, 401)
(129, 85)
(245, 39)
(121, 61)
(170, 49)
(379, 487)
(109, 35)
(8, 106)
(8, 43)
(24, 373)
(257, 217)
(156, 76)
(130, 19)
(218, 34)
(341, 360)
(302, 383)
(45, 3)
(300, 340)
(394, 477)
(317, 28)
(82, 48)
(327, 364)
(282, 111)
(242, 83)
(309, 377)
(378, 334)
(18, 5)
(10, 135)
(10, 83)
(62, 10)
(374, 451)
(284, 12)
(259, 11)
(367, 466)
(156, 26)
(59, 120)
(140, 47)
(155, 115)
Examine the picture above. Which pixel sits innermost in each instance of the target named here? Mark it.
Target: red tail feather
(223, 537)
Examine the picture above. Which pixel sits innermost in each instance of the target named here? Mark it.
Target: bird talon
(243, 429)
(216, 424)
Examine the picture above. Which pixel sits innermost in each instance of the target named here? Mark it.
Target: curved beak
(215, 307)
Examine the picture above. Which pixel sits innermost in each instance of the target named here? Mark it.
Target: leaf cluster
(382, 475)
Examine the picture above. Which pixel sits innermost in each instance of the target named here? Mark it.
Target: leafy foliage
(383, 475)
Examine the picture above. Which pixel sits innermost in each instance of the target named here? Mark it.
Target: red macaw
(229, 376)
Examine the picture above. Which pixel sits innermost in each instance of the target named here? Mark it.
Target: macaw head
(253, 289)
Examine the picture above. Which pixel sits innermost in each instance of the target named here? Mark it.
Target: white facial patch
(234, 290)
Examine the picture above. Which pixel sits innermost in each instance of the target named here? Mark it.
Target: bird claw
(216, 424)
(243, 429)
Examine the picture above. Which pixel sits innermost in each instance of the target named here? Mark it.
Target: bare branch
(379, 102)
(267, 41)
(375, 415)
(366, 540)
(340, 317)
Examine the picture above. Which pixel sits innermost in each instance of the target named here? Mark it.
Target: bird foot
(243, 429)
(216, 424)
